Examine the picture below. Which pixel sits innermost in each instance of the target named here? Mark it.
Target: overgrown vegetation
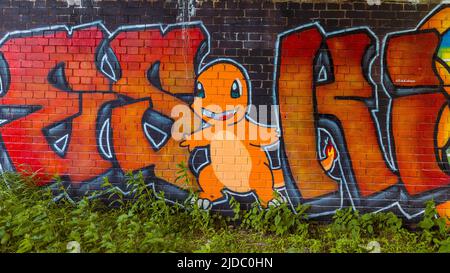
(31, 222)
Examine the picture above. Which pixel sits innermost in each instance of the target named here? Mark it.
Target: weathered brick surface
(97, 101)
(237, 25)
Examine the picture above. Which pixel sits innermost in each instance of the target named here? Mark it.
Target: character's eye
(236, 89)
(199, 90)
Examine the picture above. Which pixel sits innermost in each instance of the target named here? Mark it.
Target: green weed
(30, 221)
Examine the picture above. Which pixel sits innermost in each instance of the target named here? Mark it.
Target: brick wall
(244, 30)
(361, 117)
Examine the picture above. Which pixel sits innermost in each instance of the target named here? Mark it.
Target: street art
(221, 140)
(77, 104)
(390, 143)
(358, 122)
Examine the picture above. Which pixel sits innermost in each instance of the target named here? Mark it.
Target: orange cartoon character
(231, 144)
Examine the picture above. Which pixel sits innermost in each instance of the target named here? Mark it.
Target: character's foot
(276, 202)
(202, 203)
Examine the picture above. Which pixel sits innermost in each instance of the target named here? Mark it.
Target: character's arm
(197, 139)
(263, 136)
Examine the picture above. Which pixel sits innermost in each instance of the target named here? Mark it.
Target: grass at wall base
(31, 222)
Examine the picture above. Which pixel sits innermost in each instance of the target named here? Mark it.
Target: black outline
(51, 139)
(169, 134)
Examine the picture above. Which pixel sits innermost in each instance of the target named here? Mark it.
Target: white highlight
(105, 126)
(157, 145)
(105, 61)
(63, 139)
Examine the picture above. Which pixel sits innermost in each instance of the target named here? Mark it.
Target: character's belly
(231, 162)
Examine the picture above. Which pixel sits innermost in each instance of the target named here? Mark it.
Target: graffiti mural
(76, 103)
(356, 121)
(389, 143)
(226, 139)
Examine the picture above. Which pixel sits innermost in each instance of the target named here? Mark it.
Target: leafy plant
(142, 221)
